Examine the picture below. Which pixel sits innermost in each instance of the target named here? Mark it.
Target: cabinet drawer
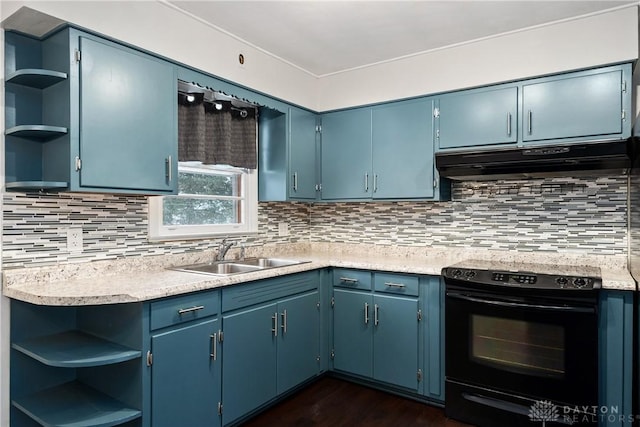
(235, 297)
(352, 279)
(172, 311)
(396, 283)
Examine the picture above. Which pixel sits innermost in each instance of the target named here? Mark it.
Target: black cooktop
(524, 275)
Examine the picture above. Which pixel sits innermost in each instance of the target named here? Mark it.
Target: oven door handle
(571, 309)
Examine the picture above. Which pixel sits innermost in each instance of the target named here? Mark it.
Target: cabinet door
(302, 154)
(433, 314)
(402, 146)
(128, 120)
(185, 377)
(395, 341)
(352, 336)
(573, 106)
(478, 117)
(248, 372)
(346, 155)
(299, 341)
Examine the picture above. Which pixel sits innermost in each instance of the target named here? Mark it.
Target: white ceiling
(326, 37)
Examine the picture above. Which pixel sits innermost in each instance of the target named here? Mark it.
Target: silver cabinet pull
(375, 182)
(394, 285)
(167, 165)
(295, 181)
(366, 313)
(275, 324)
(284, 321)
(529, 121)
(189, 310)
(366, 182)
(376, 307)
(508, 124)
(348, 280)
(214, 346)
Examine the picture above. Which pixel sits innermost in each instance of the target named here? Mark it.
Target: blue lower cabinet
(298, 340)
(185, 376)
(432, 303)
(271, 346)
(395, 341)
(248, 373)
(616, 358)
(352, 339)
(376, 336)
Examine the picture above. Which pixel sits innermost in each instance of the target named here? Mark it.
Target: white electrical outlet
(283, 229)
(74, 239)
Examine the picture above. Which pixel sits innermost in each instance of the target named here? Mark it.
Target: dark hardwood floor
(334, 402)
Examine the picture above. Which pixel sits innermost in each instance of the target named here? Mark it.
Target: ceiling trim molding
(480, 39)
(399, 58)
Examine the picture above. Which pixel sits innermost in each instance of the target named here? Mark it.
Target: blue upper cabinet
(478, 117)
(302, 155)
(346, 155)
(587, 105)
(86, 114)
(572, 107)
(127, 120)
(402, 150)
(384, 152)
(287, 155)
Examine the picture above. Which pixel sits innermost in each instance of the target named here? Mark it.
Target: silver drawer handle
(348, 280)
(189, 310)
(394, 285)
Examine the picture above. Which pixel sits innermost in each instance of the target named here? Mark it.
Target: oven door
(530, 347)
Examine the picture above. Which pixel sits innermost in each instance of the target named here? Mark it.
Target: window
(212, 199)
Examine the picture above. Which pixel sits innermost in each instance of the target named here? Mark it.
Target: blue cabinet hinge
(77, 55)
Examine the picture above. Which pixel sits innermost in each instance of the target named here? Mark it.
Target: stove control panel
(524, 280)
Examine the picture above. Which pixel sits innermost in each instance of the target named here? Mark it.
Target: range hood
(594, 158)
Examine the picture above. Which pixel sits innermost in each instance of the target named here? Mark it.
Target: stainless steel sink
(227, 268)
(218, 268)
(270, 262)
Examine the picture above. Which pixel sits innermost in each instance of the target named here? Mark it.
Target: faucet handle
(242, 251)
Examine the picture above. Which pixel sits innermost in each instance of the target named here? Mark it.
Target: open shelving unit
(36, 115)
(76, 366)
(75, 405)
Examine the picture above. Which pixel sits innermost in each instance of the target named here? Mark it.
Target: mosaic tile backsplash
(555, 215)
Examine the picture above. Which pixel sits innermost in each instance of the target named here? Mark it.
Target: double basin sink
(227, 268)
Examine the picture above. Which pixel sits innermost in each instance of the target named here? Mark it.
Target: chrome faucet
(223, 248)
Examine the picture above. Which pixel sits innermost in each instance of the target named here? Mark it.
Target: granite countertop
(109, 282)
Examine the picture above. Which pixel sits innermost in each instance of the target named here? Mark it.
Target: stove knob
(469, 274)
(456, 273)
(579, 282)
(562, 281)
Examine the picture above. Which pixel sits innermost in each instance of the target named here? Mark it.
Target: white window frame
(248, 224)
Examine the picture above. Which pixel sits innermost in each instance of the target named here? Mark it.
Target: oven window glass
(517, 345)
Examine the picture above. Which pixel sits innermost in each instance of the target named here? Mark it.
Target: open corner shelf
(75, 349)
(42, 133)
(31, 186)
(75, 405)
(36, 78)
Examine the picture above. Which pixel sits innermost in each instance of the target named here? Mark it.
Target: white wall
(573, 44)
(594, 40)
(159, 28)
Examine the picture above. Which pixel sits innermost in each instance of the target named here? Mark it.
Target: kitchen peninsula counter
(140, 279)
